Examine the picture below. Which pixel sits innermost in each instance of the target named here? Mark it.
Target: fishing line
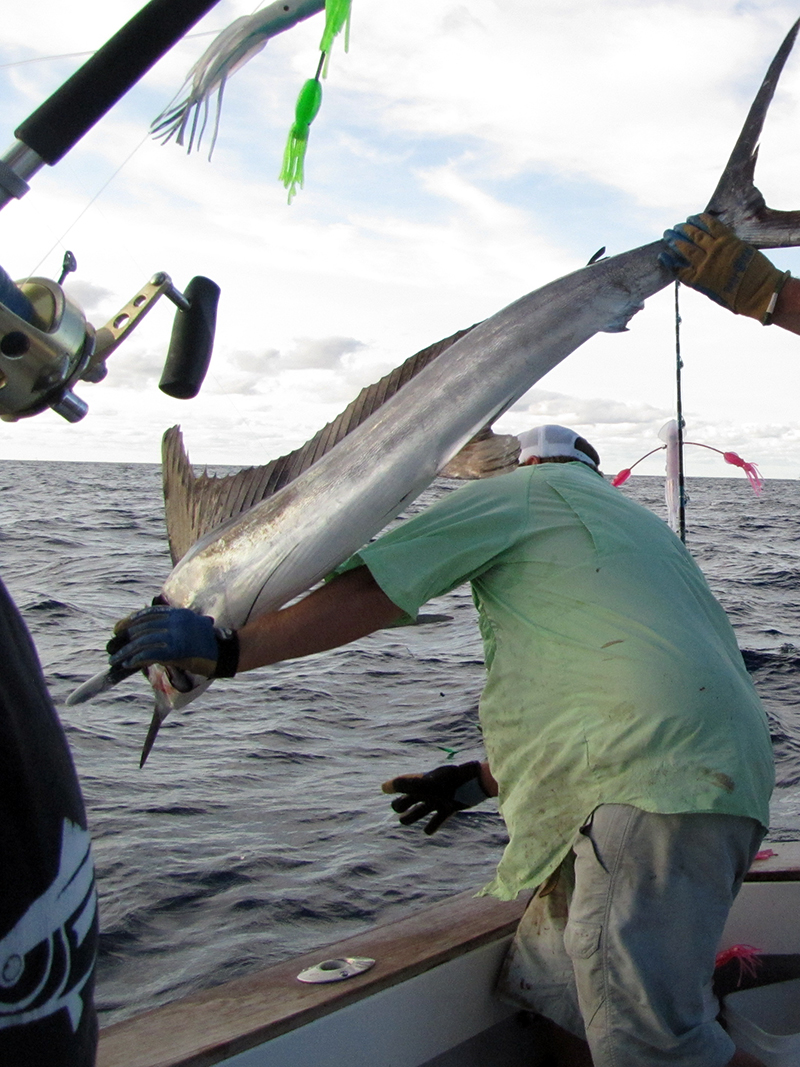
(82, 212)
(80, 55)
(44, 59)
(679, 414)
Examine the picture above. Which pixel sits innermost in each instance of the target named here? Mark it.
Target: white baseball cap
(544, 442)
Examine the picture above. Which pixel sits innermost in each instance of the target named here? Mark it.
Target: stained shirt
(613, 674)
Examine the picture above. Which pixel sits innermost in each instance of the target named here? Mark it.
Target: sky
(465, 154)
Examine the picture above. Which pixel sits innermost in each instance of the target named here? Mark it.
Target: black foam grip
(14, 299)
(192, 341)
(61, 121)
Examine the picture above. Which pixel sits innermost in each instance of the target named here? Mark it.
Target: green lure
(308, 103)
(337, 17)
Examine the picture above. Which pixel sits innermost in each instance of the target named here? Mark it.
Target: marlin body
(257, 561)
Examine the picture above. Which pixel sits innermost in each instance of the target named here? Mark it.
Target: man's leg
(537, 974)
(651, 896)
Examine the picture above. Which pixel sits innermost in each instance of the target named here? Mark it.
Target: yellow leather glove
(709, 257)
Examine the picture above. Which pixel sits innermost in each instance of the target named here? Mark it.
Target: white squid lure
(186, 116)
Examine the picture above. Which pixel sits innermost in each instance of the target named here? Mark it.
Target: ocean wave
(258, 828)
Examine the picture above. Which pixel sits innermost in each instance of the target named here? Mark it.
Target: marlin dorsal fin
(196, 504)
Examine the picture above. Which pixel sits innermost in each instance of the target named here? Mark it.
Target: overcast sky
(465, 153)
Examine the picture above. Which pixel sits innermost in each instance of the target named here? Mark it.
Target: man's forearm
(787, 308)
(351, 606)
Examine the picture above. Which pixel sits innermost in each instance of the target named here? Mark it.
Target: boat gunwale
(210, 1026)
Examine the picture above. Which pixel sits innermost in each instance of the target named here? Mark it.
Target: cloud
(94, 300)
(134, 368)
(578, 86)
(250, 373)
(323, 353)
(465, 154)
(541, 405)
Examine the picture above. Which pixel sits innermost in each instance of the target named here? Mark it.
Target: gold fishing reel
(47, 346)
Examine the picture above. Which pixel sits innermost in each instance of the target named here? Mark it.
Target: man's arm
(350, 606)
(787, 309)
(488, 780)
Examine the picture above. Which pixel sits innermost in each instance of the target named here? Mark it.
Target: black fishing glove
(442, 792)
(174, 637)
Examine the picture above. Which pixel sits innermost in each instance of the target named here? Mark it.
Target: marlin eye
(12, 971)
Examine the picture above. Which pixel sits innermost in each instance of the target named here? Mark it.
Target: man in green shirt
(630, 750)
(627, 746)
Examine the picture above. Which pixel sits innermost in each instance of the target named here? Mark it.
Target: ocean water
(257, 829)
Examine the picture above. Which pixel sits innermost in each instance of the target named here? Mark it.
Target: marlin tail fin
(736, 200)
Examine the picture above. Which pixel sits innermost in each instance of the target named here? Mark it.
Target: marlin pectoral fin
(100, 683)
(485, 455)
(736, 200)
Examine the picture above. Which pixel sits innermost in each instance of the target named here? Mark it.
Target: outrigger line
(680, 487)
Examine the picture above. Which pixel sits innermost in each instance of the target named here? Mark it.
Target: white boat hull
(428, 1002)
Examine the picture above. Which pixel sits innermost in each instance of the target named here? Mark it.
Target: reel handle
(192, 341)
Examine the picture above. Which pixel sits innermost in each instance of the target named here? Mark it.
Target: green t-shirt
(613, 673)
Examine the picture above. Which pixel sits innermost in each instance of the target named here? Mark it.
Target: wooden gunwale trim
(208, 1027)
(773, 876)
(783, 866)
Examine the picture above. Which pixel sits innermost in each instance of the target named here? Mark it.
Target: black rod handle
(60, 122)
(14, 299)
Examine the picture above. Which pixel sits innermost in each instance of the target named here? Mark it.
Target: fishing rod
(46, 344)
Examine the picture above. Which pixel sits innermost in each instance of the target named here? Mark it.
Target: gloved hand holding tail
(174, 637)
(440, 792)
(709, 257)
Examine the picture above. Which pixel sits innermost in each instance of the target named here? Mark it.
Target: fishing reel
(47, 346)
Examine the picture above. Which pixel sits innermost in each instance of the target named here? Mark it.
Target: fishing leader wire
(679, 417)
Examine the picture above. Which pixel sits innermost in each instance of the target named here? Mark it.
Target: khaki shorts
(621, 951)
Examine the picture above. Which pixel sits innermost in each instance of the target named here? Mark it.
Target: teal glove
(174, 637)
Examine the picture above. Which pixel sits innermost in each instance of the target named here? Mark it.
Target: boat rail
(225, 1022)
(209, 1027)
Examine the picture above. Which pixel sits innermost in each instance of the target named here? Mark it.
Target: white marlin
(260, 558)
